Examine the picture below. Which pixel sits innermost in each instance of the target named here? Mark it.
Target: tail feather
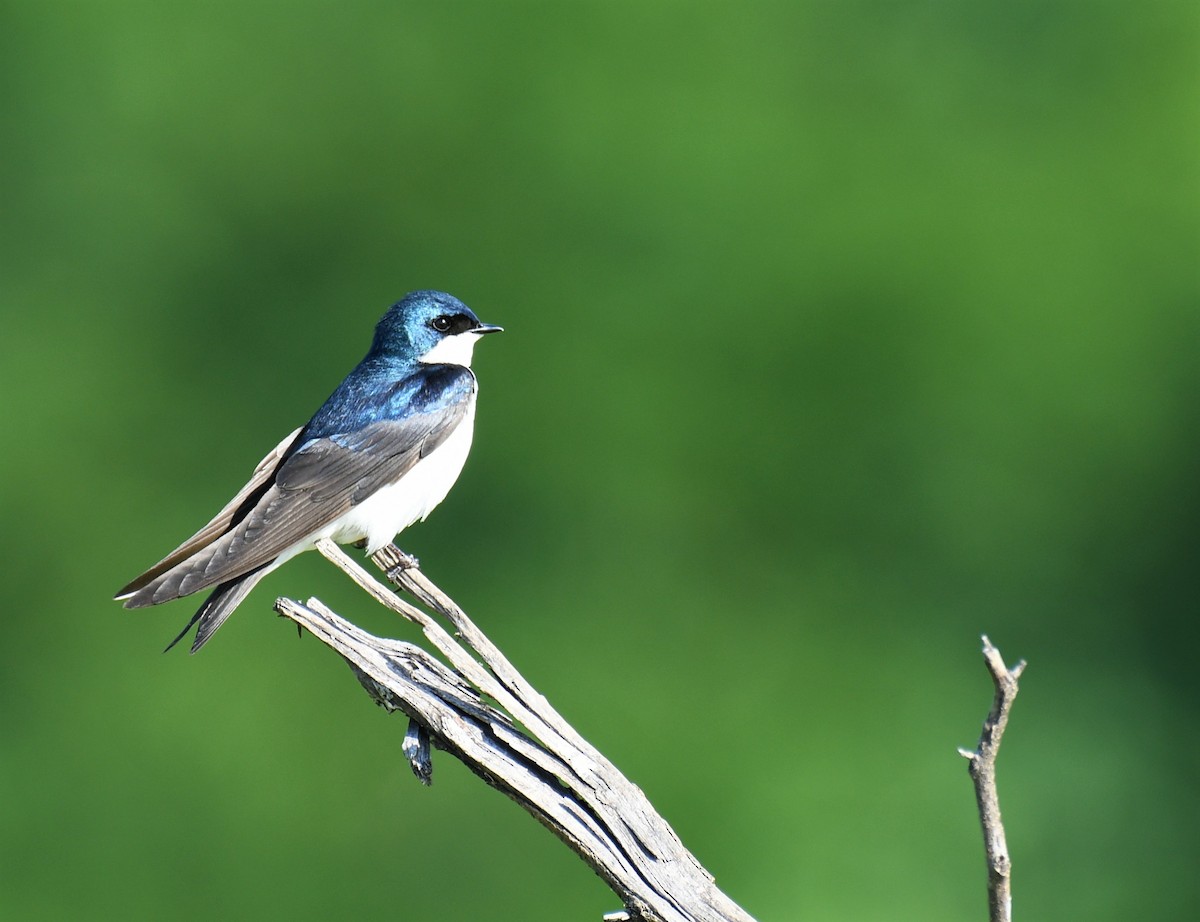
(219, 606)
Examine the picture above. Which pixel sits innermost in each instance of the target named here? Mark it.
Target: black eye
(453, 324)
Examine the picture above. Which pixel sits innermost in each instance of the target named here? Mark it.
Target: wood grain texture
(482, 711)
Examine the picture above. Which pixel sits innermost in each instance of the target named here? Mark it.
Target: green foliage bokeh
(838, 334)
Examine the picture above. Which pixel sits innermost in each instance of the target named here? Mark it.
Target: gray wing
(221, 521)
(312, 487)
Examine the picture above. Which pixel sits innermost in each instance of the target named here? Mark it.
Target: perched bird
(379, 454)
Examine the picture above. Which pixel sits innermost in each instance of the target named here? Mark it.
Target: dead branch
(482, 711)
(981, 763)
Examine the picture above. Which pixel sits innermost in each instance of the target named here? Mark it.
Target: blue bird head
(430, 327)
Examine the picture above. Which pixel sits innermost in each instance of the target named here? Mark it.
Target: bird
(381, 452)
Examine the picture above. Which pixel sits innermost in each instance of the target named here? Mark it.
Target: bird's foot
(394, 561)
(403, 561)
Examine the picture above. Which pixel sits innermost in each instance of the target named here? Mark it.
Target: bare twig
(981, 763)
(519, 744)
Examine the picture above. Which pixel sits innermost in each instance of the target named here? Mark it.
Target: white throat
(453, 350)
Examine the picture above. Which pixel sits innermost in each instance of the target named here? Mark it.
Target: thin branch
(481, 710)
(981, 763)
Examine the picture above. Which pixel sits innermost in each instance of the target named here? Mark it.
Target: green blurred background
(838, 334)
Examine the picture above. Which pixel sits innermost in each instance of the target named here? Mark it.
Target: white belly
(390, 510)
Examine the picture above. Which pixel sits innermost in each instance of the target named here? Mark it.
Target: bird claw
(404, 561)
(394, 562)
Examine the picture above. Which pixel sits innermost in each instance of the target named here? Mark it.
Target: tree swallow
(380, 454)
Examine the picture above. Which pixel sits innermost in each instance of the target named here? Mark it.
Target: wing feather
(313, 486)
(220, 523)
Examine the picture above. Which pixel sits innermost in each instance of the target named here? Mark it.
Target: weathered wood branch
(981, 763)
(482, 711)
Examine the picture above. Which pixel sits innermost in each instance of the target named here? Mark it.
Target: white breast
(390, 510)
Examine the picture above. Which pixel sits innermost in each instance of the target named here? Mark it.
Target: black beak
(487, 328)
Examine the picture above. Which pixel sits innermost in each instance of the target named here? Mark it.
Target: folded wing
(288, 501)
(221, 522)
